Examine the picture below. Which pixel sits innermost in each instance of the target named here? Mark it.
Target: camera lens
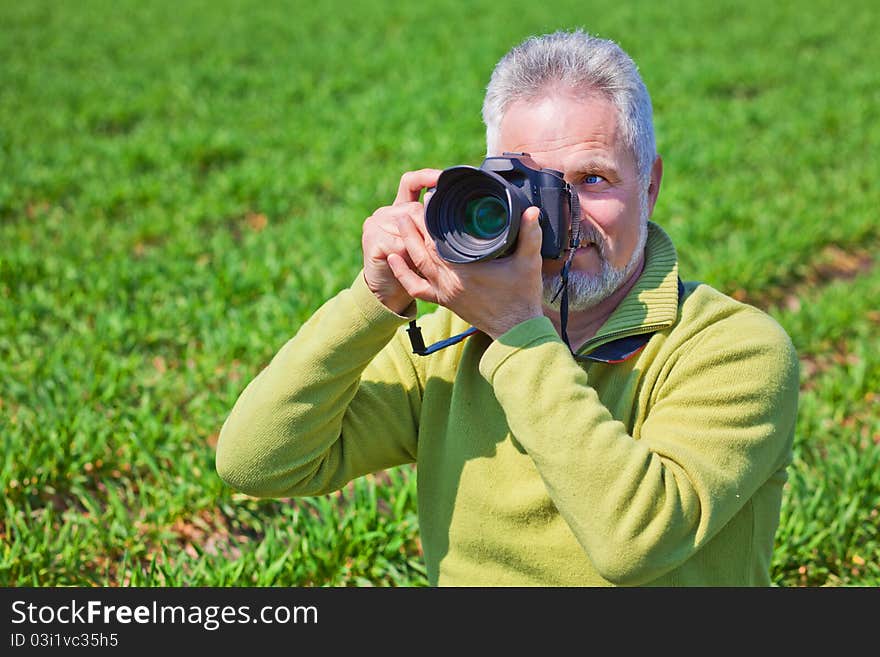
(473, 214)
(485, 217)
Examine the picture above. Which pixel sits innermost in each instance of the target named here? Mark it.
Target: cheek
(618, 222)
(607, 212)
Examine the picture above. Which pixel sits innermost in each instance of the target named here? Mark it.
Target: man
(654, 456)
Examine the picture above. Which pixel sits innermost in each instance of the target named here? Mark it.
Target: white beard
(587, 290)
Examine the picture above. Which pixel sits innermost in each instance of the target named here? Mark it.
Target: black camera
(474, 213)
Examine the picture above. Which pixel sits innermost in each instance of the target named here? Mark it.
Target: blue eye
(592, 179)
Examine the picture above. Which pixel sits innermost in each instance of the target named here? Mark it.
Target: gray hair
(580, 63)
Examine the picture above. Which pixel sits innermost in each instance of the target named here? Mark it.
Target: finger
(414, 243)
(413, 182)
(530, 233)
(385, 245)
(385, 218)
(415, 286)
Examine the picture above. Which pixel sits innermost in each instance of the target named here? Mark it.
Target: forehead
(556, 127)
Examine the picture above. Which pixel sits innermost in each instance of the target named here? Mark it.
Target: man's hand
(381, 238)
(493, 296)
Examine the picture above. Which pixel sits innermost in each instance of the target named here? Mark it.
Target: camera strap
(573, 244)
(418, 342)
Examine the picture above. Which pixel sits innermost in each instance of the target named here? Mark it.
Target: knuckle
(420, 259)
(383, 217)
(373, 218)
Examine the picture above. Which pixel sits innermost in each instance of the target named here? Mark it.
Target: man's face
(580, 138)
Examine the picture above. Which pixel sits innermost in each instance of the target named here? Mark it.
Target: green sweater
(535, 468)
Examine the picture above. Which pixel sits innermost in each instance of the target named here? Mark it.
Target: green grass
(183, 183)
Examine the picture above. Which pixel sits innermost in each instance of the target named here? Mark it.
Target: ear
(654, 184)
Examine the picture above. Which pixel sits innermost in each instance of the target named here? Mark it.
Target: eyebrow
(593, 163)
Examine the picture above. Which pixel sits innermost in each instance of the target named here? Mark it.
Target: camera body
(474, 214)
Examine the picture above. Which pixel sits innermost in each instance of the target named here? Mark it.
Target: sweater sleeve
(339, 400)
(718, 425)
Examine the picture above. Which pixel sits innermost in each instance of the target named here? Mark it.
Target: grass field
(183, 183)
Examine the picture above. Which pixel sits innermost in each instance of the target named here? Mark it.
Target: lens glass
(485, 217)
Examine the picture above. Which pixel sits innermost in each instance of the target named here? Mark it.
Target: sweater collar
(651, 305)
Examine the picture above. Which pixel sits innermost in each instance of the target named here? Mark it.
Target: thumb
(530, 234)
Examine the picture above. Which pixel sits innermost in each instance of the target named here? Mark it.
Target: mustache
(590, 235)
